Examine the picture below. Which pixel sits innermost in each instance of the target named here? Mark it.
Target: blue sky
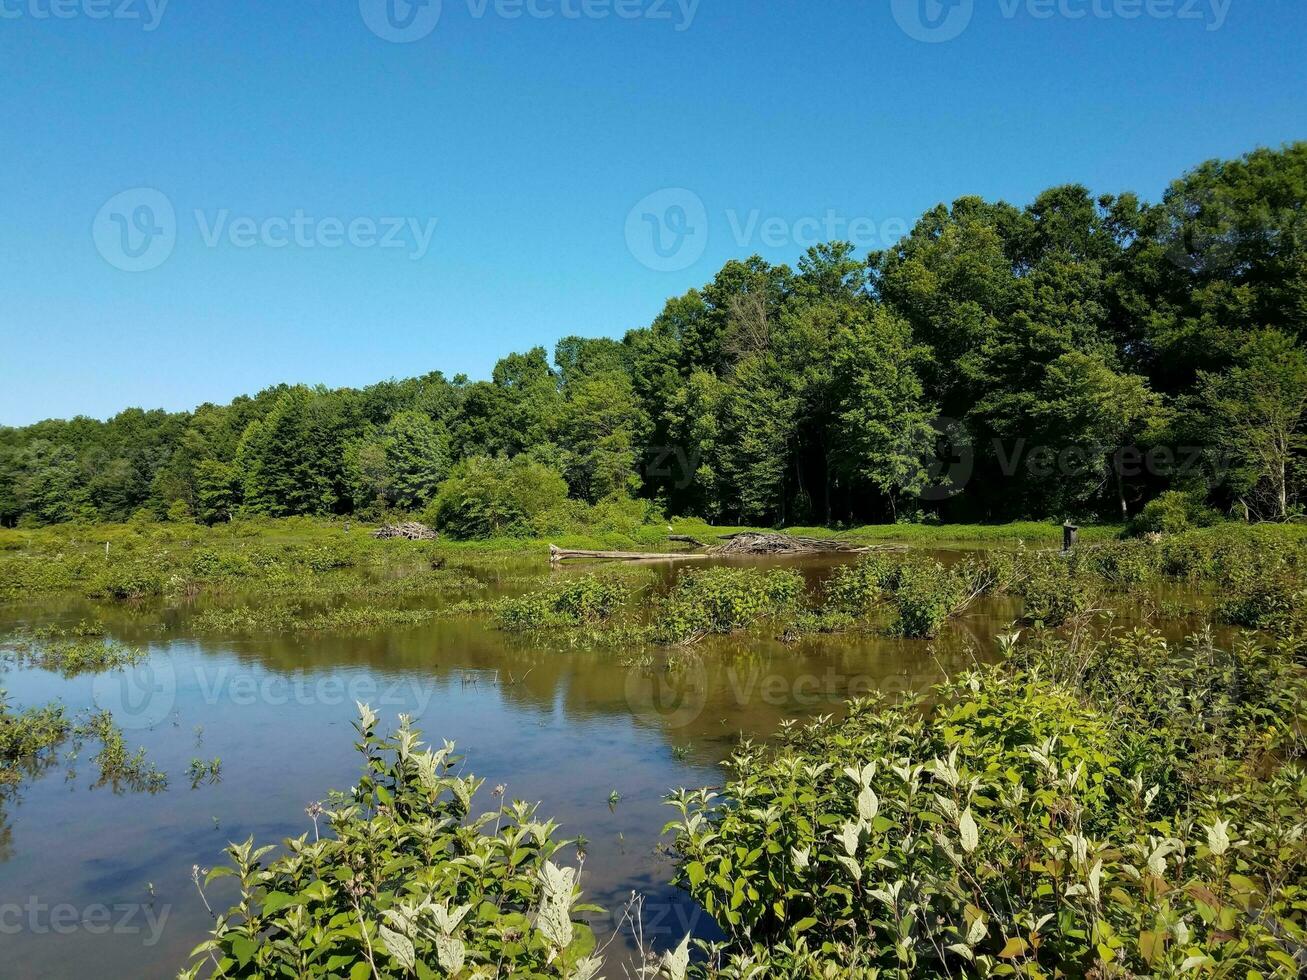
(529, 141)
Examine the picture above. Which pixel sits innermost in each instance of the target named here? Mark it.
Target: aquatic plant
(1024, 822)
(723, 600)
(407, 883)
(587, 599)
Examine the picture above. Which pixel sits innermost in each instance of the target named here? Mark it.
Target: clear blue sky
(530, 140)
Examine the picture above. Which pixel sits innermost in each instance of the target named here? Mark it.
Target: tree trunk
(1284, 492)
(1120, 489)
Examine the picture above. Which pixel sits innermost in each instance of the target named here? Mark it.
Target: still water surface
(98, 884)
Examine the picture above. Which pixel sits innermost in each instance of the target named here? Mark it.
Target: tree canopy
(1083, 353)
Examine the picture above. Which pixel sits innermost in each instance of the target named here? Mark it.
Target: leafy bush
(127, 580)
(1172, 513)
(927, 595)
(722, 600)
(573, 602)
(1261, 598)
(859, 588)
(1012, 828)
(488, 497)
(1053, 588)
(26, 737)
(407, 883)
(1122, 565)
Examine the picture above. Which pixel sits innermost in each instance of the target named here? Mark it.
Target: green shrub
(1012, 828)
(1172, 513)
(859, 588)
(927, 595)
(1122, 565)
(723, 600)
(28, 737)
(584, 600)
(1053, 588)
(406, 883)
(127, 580)
(488, 497)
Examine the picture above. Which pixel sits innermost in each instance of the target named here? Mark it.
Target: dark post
(1069, 532)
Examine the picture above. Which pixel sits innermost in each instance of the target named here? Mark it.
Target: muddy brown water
(94, 883)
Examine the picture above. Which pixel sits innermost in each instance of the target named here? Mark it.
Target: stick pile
(412, 530)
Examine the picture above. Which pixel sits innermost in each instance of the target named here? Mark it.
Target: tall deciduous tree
(884, 420)
(1259, 412)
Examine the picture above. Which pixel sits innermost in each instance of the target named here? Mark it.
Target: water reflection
(566, 728)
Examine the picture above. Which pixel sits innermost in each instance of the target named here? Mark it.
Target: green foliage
(722, 600)
(924, 593)
(28, 737)
(407, 882)
(578, 601)
(1054, 348)
(80, 650)
(1259, 412)
(927, 595)
(1024, 822)
(488, 497)
(127, 579)
(1054, 589)
(1173, 512)
(118, 769)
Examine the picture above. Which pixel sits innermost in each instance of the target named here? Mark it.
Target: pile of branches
(412, 530)
(764, 543)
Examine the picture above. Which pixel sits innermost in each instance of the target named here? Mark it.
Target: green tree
(602, 429)
(1088, 406)
(884, 422)
(1257, 411)
(487, 497)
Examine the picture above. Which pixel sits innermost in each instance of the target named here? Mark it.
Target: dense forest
(1075, 357)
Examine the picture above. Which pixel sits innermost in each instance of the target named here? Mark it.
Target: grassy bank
(130, 561)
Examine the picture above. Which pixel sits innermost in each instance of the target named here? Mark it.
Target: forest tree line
(1078, 356)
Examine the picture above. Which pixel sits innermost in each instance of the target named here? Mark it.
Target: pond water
(94, 883)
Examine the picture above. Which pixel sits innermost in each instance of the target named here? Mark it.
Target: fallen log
(769, 543)
(686, 539)
(557, 554)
